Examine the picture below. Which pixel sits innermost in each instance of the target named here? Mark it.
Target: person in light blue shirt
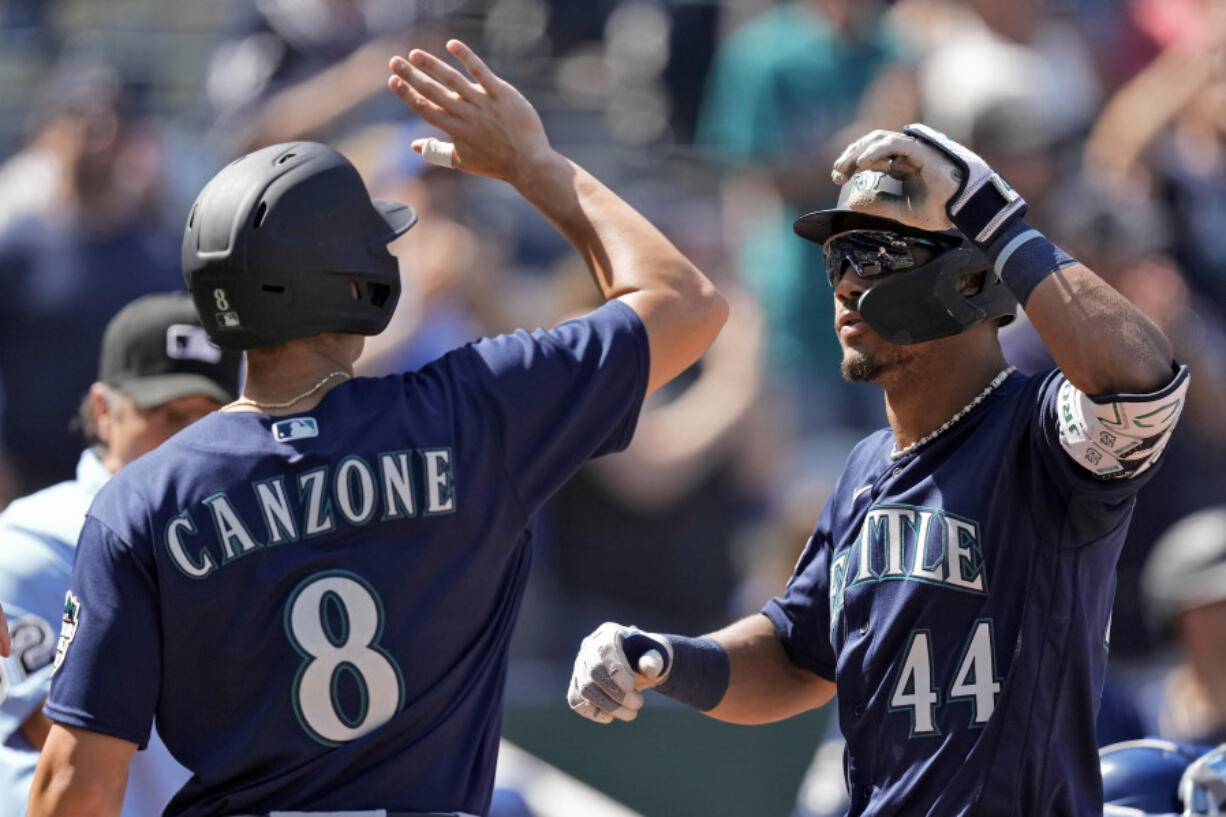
(158, 374)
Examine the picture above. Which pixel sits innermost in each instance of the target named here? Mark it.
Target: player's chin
(859, 365)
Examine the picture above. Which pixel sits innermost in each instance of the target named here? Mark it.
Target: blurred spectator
(980, 54)
(295, 69)
(1168, 125)
(83, 247)
(1185, 594)
(784, 90)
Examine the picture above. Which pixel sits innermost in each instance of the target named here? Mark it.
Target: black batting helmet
(285, 242)
(925, 303)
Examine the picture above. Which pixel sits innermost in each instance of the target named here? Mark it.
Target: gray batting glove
(945, 185)
(605, 684)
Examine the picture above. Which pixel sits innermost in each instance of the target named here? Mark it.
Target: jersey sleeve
(26, 584)
(108, 658)
(563, 396)
(803, 615)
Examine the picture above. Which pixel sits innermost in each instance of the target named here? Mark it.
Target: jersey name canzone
(961, 596)
(318, 608)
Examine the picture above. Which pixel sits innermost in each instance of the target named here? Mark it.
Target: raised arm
(739, 674)
(496, 132)
(1101, 342)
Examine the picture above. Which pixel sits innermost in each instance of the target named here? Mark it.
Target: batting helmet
(1145, 774)
(285, 242)
(925, 303)
(1203, 787)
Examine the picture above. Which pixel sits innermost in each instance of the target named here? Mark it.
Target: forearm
(80, 774)
(70, 792)
(1101, 342)
(764, 685)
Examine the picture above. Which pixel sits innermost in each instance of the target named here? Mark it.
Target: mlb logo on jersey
(299, 428)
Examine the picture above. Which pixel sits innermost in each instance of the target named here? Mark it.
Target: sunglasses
(873, 252)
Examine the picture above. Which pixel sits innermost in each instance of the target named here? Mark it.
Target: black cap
(154, 351)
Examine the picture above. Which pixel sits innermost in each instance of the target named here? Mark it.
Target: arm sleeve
(1104, 445)
(803, 616)
(563, 396)
(1064, 447)
(108, 659)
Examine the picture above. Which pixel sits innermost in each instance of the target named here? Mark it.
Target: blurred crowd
(719, 119)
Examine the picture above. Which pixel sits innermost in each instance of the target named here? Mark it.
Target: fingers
(427, 86)
(882, 150)
(599, 700)
(476, 67)
(444, 73)
(422, 106)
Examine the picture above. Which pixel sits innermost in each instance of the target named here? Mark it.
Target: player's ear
(100, 410)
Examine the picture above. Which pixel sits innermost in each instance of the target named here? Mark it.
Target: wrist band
(699, 675)
(1023, 257)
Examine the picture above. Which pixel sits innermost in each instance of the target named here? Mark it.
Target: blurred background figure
(158, 373)
(1185, 589)
(79, 240)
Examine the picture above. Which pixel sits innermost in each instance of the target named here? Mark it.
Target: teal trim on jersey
(206, 565)
(401, 463)
(278, 533)
(899, 679)
(223, 539)
(317, 502)
(342, 481)
(997, 678)
(308, 658)
(447, 491)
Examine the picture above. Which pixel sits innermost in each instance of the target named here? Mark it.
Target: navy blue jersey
(960, 597)
(317, 608)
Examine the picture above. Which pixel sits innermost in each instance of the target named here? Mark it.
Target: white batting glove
(945, 185)
(605, 684)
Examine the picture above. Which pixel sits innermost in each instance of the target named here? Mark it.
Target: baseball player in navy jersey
(957, 589)
(157, 374)
(313, 589)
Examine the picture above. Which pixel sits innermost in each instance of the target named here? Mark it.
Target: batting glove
(945, 185)
(613, 664)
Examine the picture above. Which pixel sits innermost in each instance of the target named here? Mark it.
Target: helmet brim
(821, 225)
(399, 217)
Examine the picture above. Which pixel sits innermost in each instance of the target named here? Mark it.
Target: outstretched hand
(494, 130)
(929, 178)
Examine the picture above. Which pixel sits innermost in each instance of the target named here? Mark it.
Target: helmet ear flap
(925, 303)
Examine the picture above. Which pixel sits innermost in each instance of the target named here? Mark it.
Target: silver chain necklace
(246, 401)
(899, 453)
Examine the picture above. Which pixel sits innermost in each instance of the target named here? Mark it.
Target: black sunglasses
(873, 252)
